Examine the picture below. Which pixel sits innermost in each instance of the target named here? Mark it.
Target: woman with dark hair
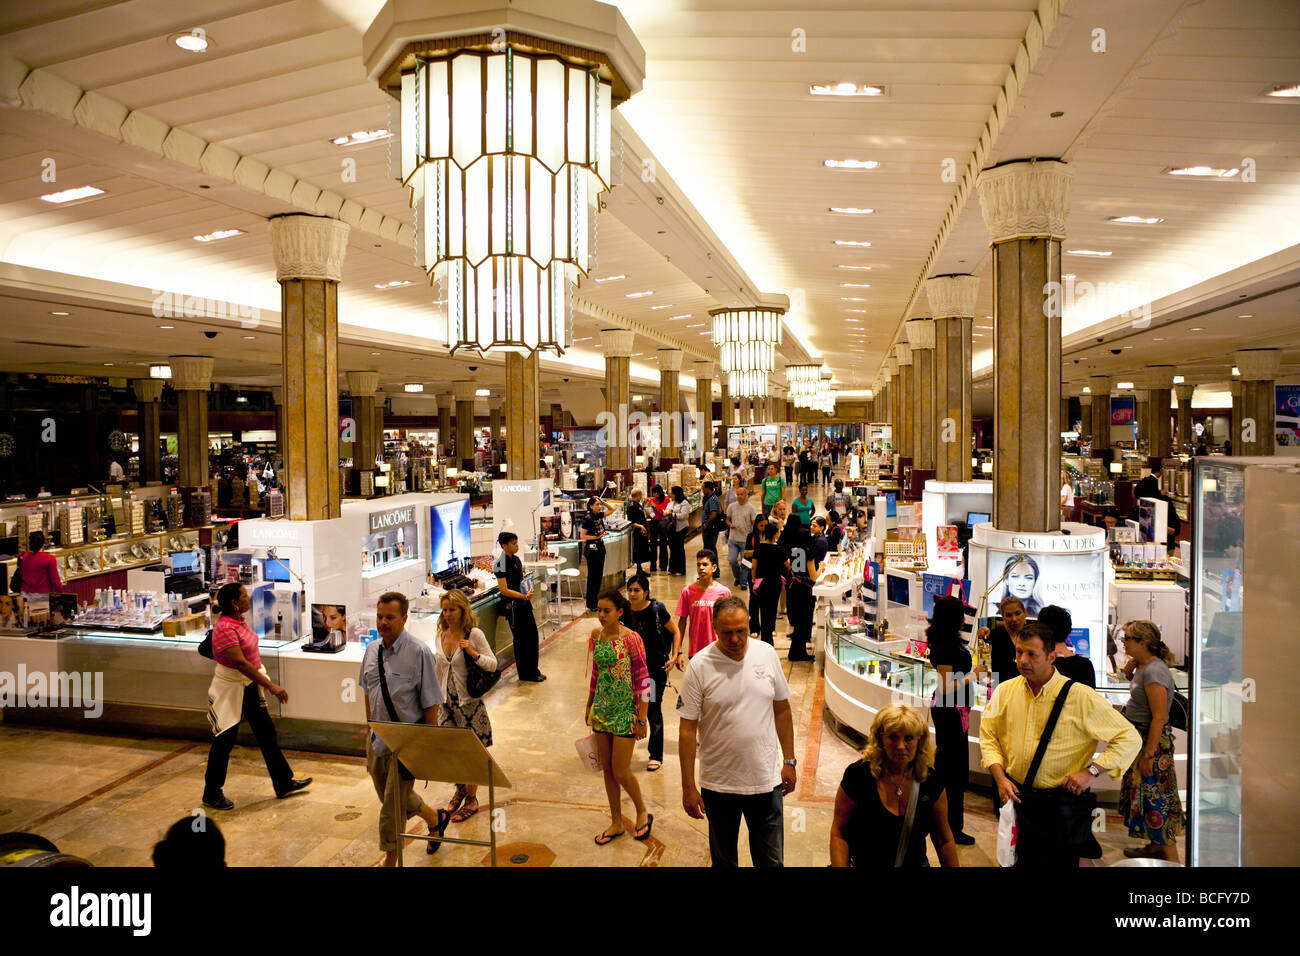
(617, 699)
(593, 547)
(771, 564)
(658, 631)
(235, 695)
(635, 511)
(39, 570)
(659, 505)
(950, 708)
(680, 512)
(518, 607)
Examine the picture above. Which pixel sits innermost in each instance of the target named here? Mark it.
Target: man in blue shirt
(405, 667)
(713, 522)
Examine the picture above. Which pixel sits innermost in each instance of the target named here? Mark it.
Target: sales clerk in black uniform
(519, 609)
(593, 548)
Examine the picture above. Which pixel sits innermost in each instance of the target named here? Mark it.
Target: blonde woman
(872, 801)
(460, 646)
(1149, 798)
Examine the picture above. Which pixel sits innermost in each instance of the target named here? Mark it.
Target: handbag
(392, 711)
(16, 582)
(205, 646)
(478, 680)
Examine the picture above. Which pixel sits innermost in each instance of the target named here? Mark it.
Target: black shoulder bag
(392, 711)
(1053, 821)
(478, 680)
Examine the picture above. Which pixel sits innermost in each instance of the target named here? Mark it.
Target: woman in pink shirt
(40, 571)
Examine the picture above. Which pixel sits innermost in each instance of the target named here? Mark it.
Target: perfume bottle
(279, 622)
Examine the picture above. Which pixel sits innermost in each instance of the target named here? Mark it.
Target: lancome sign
(382, 520)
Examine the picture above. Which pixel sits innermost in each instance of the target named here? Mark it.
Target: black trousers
(709, 539)
(951, 762)
(789, 474)
(677, 549)
(655, 712)
(259, 718)
(765, 598)
(764, 818)
(799, 606)
(658, 546)
(595, 570)
(523, 628)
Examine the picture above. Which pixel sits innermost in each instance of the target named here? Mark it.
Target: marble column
(1100, 385)
(1085, 414)
(148, 393)
(704, 374)
(445, 402)
(906, 401)
(670, 439)
(1234, 418)
(891, 408)
(616, 346)
(366, 442)
(523, 415)
(192, 378)
(727, 419)
(277, 399)
(1160, 383)
(1185, 434)
(952, 300)
(494, 429)
(309, 252)
(925, 422)
(463, 392)
(1142, 416)
(1255, 431)
(1025, 207)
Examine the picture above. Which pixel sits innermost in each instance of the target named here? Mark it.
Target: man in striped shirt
(1016, 718)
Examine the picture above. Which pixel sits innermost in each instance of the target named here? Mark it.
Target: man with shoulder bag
(399, 674)
(1038, 740)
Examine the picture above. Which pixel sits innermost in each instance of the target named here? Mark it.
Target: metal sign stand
(442, 755)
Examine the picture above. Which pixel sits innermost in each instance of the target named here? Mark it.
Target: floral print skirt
(1150, 805)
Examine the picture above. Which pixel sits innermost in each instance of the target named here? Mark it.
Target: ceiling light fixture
(684, 315)
(845, 89)
(160, 371)
(1235, 370)
(1136, 220)
(1178, 380)
(851, 211)
(852, 242)
(640, 295)
(610, 278)
(161, 326)
(195, 41)
(1097, 253)
(69, 313)
(413, 387)
(72, 195)
(746, 340)
(219, 234)
(1286, 91)
(1123, 384)
(856, 285)
(1250, 316)
(1202, 172)
(850, 163)
(396, 283)
(1198, 329)
(250, 336)
(856, 268)
(360, 137)
(852, 298)
(656, 308)
(482, 392)
(375, 353)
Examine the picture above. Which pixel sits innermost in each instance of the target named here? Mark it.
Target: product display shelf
(117, 554)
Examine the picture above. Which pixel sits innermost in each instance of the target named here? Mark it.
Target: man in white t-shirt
(735, 702)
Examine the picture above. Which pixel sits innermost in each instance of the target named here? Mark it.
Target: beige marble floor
(110, 798)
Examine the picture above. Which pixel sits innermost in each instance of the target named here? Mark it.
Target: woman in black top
(519, 609)
(761, 521)
(658, 631)
(640, 532)
(593, 547)
(681, 528)
(797, 539)
(950, 708)
(871, 803)
(771, 563)
(1001, 640)
(1074, 666)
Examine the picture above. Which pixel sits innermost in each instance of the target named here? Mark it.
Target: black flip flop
(608, 838)
(649, 823)
(433, 846)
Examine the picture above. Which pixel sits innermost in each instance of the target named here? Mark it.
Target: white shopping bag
(586, 747)
(1007, 834)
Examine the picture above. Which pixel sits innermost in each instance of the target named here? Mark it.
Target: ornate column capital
(1025, 199)
(952, 297)
(308, 247)
(903, 354)
(277, 394)
(1257, 365)
(1159, 376)
(1184, 393)
(363, 384)
(616, 343)
(147, 389)
(464, 391)
(1100, 384)
(920, 333)
(1142, 394)
(191, 372)
(891, 366)
(706, 369)
(1086, 399)
(670, 360)
(1235, 388)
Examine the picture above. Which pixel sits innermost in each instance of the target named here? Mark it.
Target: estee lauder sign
(1081, 538)
(390, 519)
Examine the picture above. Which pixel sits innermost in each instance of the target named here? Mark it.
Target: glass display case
(120, 554)
(883, 662)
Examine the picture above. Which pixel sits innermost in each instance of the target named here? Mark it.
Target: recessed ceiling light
(684, 315)
(160, 371)
(845, 89)
(482, 392)
(1123, 384)
(640, 295)
(656, 308)
(852, 298)
(250, 336)
(1098, 253)
(219, 234)
(1286, 91)
(610, 278)
(1136, 220)
(697, 325)
(195, 41)
(1235, 370)
(72, 195)
(856, 268)
(706, 333)
(361, 136)
(1198, 329)
(850, 163)
(1251, 316)
(161, 326)
(852, 242)
(1128, 346)
(1203, 172)
(856, 285)
(851, 211)
(863, 311)
(375, 353)
(60, 313)
(1161, 339)
(396, 283)
(413, 387)
(1178, 380)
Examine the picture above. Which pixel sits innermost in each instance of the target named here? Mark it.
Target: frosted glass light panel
(747, 384)
(505, 154)
(804, 382)
(744, 326)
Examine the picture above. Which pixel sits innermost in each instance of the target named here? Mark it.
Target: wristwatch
(641, 723)
(791, 762)
(1095, 770)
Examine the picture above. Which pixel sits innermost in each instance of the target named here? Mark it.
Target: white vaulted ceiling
(726, 116)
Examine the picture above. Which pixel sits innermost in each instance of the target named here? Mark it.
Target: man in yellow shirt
(1010, 729)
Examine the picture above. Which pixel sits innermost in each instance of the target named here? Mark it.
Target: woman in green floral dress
(617, 700)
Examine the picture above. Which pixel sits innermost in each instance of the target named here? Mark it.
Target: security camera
(473, 368)
(1101, 338)
(212, 335)
(566, 379)
(1116, 351)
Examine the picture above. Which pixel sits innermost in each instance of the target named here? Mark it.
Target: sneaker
(219, 802)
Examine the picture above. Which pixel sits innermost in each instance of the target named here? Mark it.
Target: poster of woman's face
(326, 618)
(1072, 581)
(11, 610)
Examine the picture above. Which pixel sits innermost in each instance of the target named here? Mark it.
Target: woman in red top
(40, 571)
(235, 695)
(658, 537)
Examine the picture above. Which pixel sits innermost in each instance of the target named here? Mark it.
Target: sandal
(433, 846)
(457, 798)
(649, 822)
(467, 810)
(654, 765)
(604, 838)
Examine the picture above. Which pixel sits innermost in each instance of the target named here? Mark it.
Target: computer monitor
(898, 590)
(185, 562)
(276, 569)
(976, 517)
